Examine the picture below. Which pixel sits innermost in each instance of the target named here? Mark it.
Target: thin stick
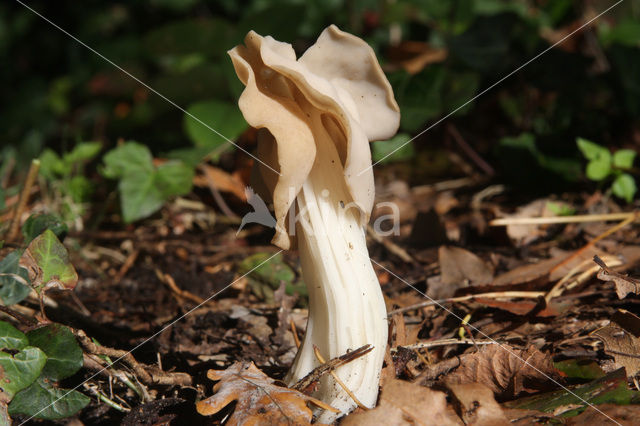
(24, 197)
(562, 219)
(295, 333)
(445, 342)
(390, 245)
(491, 295)
(338, 380)
(561, 285)
(217, 196)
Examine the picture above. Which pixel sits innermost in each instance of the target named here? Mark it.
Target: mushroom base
(346, 306)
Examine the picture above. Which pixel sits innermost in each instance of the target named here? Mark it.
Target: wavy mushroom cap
(339, 78)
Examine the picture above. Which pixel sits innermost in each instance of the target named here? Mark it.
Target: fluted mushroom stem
(346, 306)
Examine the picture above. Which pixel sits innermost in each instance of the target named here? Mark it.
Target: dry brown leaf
(404, 403)
(259, 400)
(462, 268)
(505, 372)
(477, 406)
(624, 285)
(222, 180)
(622, 345)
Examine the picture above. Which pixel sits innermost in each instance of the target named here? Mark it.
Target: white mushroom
(317, 116)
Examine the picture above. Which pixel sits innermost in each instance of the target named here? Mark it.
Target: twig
(171, 283)
(24, 197)
(316, 351)
(307, 381)
(491, 295)
(217, 196)
(629, 216)
(102, 397)
(561, 285)
(128, 263)
(471, 153)
(17, 315)
(295, 333)
(445, 342)
(155, 377)
(390, 245)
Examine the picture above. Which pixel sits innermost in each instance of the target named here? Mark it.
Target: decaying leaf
(47, 261)
(622, 345)
(404, 403)
(259, 400)
(624, 285)
(459, 268)
(507, 371)
(476, 405)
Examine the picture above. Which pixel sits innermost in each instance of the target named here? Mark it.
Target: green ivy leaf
(36, 224)
(591, 150)
(44, 401)
(144, 188)
(62, 349)
(598, 169)
(127, 158)
(11, 337)
(380, 149)
(13, 289)
(174, 178)
(623, 158)
(20, 370)
(624, 187)
(49, 260)
(222, 116)
(139, 195)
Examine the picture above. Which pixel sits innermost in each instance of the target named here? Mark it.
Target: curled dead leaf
(404, 403)
(622, 345)
(259, 400)
(476, 405)
(624, 284)
(505, 370)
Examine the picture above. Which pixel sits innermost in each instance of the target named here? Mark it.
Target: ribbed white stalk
(346, 306)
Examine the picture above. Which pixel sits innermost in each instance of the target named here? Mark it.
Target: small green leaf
(36, 224)
(398, 146)
(591, 150)
(560, 209)
(11, 337)
(624, 187)
(80, 188)
(51, 165)
(222, 116)
(139, 195)
(598, 169)
(174, 178)
(267, 278)
(62, 349)
(20, 370)
(623, 158)
(44, 401)
(82, 152)
(50, 260)
(144, 188)
(127, 158)
(13, 289)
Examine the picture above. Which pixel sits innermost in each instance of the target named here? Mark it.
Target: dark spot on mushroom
(351, 246)
(342, 204)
